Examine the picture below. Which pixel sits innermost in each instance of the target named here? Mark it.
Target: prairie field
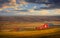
(30, 22)
(48, 33)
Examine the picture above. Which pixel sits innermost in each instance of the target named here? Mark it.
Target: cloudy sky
(14, 8)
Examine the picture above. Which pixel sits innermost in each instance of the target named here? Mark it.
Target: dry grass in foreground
(37, 33)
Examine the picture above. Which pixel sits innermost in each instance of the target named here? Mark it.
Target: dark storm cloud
(43, 1)
(4, 1)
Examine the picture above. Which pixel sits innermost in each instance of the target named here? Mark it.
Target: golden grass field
(53, 32)
(32, 34)
(47, 33)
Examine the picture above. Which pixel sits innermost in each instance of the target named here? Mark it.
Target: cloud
(2, 2)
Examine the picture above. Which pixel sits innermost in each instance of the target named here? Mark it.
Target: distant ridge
(30, 18)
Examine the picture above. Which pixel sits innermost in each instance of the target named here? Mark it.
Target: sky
(25, 8)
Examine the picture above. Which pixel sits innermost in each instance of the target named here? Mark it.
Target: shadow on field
(38, 36)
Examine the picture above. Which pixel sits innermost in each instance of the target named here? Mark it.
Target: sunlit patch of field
(28, 23)
(22, 23)
(37, 33)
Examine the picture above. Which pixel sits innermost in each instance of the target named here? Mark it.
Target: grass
(52, 32)
(37, 33)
